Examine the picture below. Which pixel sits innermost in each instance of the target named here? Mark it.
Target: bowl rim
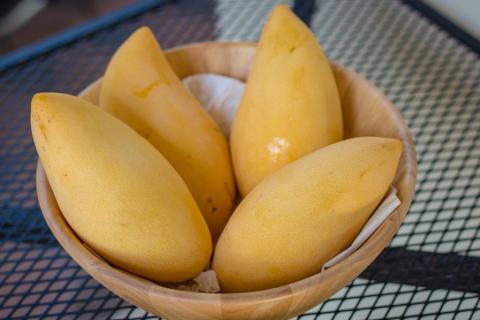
(95, 265)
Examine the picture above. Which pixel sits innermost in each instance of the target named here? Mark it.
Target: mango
(291, 105)
(304, 214)
(141, 89)
(117, 192)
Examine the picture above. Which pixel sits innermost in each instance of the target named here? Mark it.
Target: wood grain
(366, 113)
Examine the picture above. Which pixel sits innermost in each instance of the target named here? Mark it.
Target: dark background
(49, 17)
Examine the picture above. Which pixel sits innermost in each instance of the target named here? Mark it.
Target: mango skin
(291, 105)
(118, 193)
(141, 89)
(304, 214)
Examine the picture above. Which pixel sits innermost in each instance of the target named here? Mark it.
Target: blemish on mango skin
(363, 173)
(274, 270)
(43, 130)
(213, 209)
(39, 97)
(281, 43)
(143, 93)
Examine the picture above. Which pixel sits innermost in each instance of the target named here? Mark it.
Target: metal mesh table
(432, 267)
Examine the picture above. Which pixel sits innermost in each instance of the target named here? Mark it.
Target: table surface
(430, 270)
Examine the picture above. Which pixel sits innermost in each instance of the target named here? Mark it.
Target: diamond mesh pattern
(432, 267)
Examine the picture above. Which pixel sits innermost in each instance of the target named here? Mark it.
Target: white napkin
(206, 281)
(220, 96)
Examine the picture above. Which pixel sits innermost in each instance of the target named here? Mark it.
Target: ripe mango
(118, 193)
(294, 221)
(141, 89)
(291, 105)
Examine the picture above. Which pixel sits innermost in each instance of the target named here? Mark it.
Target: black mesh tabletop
(431, 269)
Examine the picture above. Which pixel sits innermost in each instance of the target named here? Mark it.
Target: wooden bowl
(366, 113)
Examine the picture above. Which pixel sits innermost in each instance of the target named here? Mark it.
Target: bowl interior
(366, 113)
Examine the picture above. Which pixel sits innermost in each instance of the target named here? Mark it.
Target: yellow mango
(300, 217)
(291, 105)
(118, 193)
(141, 89)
